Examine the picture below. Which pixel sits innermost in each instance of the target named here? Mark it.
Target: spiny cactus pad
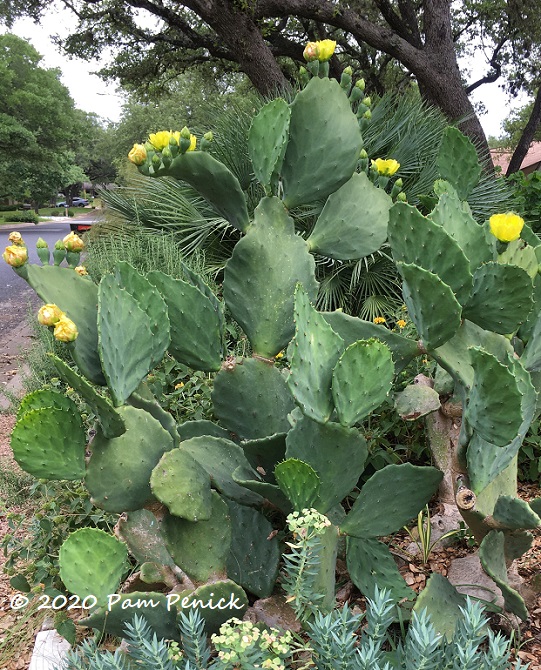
(351, 329)
(442, 603)
(494, 407)
(515, 514)
(416, 401)
(263, 454)
(370, 361)
(251, 399)
(299, 482)
(92, 563)
(216, 603)
(196, 325)
(151, 302)
(200, 549)
(255, 554)
(126, 343)
(140, 530)
(492, 555)
(316, 350)
(456, 218)
(418, 240)
(110, 420)
(183, 485)
(271, 493)
(259, 291)
(324, 143)
(143, 399)
(353, 222)
(431, 304)
(501, 298)
(267, 142)
(78, 298)
(118, 473)
(45, 398)
(370, 564)
(390, 498)
(50, 442)
(458, 162)
(336, 453)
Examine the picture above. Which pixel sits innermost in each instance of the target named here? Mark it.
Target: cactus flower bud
(81, 270)
(159, 140)
(167, 156)
(65, 330)
(367, 101)
(361, 85)
(16, 256)
(325, 49)
(16, 239)
(41, 243)
(310, 52)
(50, 315)
(506, 227)
(138, 154)
(206, 140)
(73, 242)
(367, 115)
(387, 168)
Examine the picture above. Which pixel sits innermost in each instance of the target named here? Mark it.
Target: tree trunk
(527, 136)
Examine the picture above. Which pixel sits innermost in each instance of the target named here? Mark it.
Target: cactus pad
(216, 603)
(92, 563)
(196, 323)
(140, 530)
(299, 482)
(267, 142)
(371, 361)
(45, 398)
(50, 442)
(431, 304)
(458, 163)
(251, 399)
(265, 453)
(126, 343)
(316, 163)
(315, 352)
(200, 549)
(492, 555)
(353, 222)
(370, 564)
(110, 420)
(259, 291)
(390, 498)
(255, 554)
(501, 298)
(442, 603)
(416, 401)
(515, 514)
(118, 473)
(336, 453)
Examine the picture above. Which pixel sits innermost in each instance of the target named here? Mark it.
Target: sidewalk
(10, 364)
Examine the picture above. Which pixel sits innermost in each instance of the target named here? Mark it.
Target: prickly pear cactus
(194, 498)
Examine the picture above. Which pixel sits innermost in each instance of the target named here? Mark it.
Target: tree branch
(527, 136)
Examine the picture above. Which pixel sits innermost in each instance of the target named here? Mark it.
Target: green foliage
(33, 541)
(22, 217)
(527, 194)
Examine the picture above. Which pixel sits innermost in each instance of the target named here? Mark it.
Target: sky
(92, 94)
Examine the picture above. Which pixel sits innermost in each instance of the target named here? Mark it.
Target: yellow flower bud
(325, 49)
(16, 239)
(138, 154)
(81, 270)
(65, 330)
(506, 227)
(73, 242)
(15, 256)
(387, 168)
(50, 315)
(160, 140)
(310, 52)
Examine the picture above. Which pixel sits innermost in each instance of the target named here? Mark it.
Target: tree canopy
(385, 40)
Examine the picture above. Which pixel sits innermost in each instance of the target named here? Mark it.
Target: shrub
(22, 217)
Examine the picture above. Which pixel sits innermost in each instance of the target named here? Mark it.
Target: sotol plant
(193, 496)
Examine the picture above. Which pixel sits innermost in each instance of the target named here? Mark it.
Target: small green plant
(423, 536)
(14, 484)
(22, 217)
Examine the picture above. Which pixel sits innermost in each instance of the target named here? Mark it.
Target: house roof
(532, 159)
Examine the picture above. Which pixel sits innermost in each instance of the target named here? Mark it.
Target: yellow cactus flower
(65, 330)
(193, 143)
(325, 49)
(73, 242)
(506, 227)
(50, 314)
(379, 319)
(160, 140)
(401, 323)
(16, 239)
(310, 52)
(387, 168)
(279, 355)
(15, 256)
(81, 270)
(138, 154)
(179, 386)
